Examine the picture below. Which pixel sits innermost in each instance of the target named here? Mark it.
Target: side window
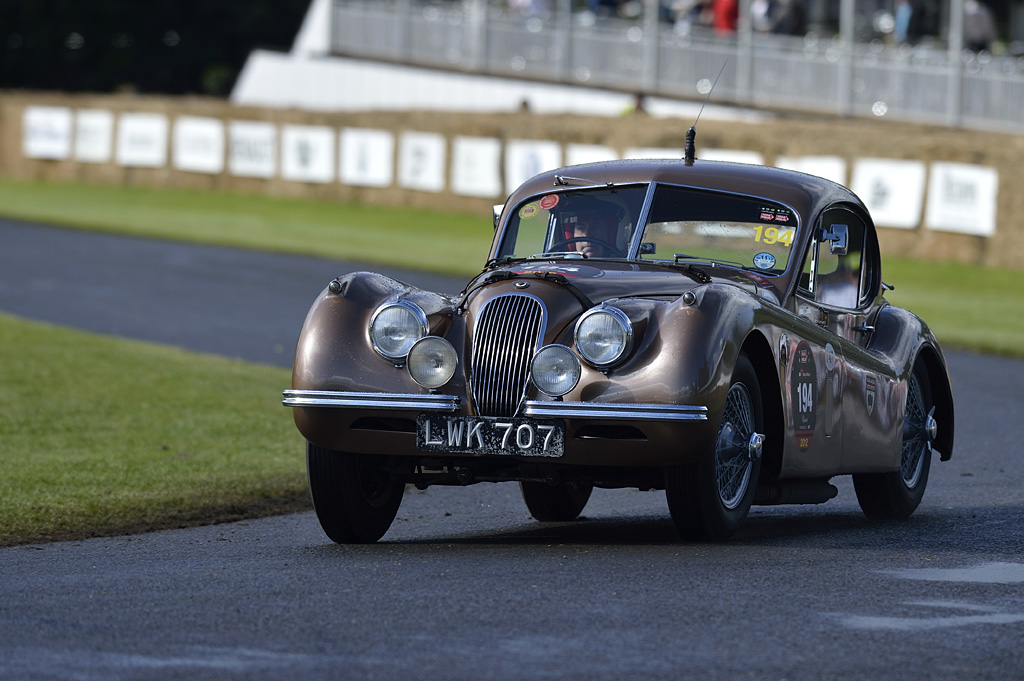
(841, 240)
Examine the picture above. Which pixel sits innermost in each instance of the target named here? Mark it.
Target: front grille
(508, 333)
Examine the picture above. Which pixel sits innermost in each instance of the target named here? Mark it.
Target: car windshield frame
(554, 211)
(764, 213)
(769, 222)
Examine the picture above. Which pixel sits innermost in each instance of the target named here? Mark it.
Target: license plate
(489, 435)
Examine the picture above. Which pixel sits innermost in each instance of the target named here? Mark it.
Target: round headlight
(394, 327)
(432, 361)
(603, 335)
(556, 370)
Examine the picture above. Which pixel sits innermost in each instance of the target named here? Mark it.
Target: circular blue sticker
(764, 261)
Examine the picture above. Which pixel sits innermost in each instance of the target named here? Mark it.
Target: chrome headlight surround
(395, 326)
(432, 361)
(555, 370)
(603, 335)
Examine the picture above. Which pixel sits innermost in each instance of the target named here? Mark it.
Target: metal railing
(835, 75)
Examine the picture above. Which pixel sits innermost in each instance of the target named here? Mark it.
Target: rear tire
(896, 495)
(555, 503)
(354, 495)
(710, 499)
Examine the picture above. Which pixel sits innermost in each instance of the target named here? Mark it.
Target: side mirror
(838, 238)
(496, 213)
(647, 248)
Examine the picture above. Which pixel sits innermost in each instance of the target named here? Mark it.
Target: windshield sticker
(770, 214)
(549, 201)
(764, 261)
(528, 211)
(774, 235)
(803, 387)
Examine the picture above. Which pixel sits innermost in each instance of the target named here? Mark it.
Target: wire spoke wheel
(732, 462)
(916, 443)
(897, 494)
(710, 499)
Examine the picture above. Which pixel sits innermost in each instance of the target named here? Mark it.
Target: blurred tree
(156, 46)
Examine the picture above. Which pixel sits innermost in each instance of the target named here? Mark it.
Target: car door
(812, 363)
(846, 278)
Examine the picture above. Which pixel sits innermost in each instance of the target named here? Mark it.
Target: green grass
(105, 436)
(968, 307)
(448, 243)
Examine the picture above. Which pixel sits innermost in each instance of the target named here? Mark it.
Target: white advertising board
(526, 158)
(367, 157)
(421, 161)
(252, 149)
(307, 153)
(94, 135)
(198, 144)
(892, 190)
(962, 198)
(46, 132)
(476, 166)
(142, 140)
(732, 155)
(575, 154)
(829, 167)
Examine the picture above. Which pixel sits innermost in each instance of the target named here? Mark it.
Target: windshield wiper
(564, 180)
(559, 255)
(705, 260)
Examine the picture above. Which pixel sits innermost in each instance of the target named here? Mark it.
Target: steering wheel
(610, 249)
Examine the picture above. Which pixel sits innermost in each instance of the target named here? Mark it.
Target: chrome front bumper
(534, 408)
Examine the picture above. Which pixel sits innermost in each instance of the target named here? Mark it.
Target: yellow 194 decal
(774, 235)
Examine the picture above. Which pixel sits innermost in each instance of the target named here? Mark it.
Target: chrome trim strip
(612, 410)
(333, 398)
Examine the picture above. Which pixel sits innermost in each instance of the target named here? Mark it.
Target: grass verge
(418, 239)
(971, 308)
(103, 436)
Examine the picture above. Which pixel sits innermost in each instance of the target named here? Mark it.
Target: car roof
(806, 194)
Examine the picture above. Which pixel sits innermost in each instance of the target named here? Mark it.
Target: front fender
(334, 352)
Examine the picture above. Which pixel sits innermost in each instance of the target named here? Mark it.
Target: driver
(599, 226)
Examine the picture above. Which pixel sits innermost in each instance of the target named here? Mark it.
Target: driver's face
(584, 228)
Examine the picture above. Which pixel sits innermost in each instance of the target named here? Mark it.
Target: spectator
(762, 15)
(790, 18)
(904, 17)
(697, 16)
(726, 13)
(979, 28)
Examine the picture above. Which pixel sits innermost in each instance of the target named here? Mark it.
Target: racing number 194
(805, 397)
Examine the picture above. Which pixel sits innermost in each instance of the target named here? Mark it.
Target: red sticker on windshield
(549, 201)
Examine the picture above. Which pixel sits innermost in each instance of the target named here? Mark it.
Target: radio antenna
(691, 134)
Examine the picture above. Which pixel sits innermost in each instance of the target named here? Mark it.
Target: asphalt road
(465, 585)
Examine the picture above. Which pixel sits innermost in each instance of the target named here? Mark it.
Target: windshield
(592, 223)
(692, 224)
(684, 224)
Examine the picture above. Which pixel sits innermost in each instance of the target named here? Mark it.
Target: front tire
(354, 495)
(896, 495)
(555, 503)
(710, 499)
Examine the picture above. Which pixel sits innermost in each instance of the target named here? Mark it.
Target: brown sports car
(715, 330)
